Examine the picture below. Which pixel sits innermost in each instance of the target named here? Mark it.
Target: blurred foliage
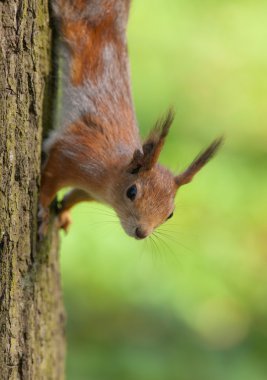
(190, 305)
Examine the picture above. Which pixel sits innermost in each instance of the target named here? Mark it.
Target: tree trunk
(31, 311)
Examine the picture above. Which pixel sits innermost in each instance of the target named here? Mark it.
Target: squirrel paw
(64, 220)
(43, 221)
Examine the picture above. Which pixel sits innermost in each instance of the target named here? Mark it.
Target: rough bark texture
(31, 311)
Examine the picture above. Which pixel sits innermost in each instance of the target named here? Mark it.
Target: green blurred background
(192, 305)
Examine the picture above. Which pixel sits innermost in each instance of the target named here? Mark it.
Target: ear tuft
(201, 160)
(162, 126)
(154, 143)
(152, 146)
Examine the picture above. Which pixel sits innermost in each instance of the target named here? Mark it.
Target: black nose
(140, 234)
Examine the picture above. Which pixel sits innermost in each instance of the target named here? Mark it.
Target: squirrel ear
(152, 146)
(201, 160)
(136, 163)
(154, 143)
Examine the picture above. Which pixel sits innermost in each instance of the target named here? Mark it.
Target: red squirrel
(97, 150)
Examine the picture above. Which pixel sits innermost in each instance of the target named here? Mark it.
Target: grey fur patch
(109, 89)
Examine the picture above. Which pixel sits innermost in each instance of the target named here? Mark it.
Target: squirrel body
(97, 149)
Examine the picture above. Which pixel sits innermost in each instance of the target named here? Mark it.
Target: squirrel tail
(92, 11)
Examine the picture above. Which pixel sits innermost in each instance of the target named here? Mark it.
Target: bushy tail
(93, 11)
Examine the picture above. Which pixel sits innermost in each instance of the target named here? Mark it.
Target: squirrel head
(145, 191)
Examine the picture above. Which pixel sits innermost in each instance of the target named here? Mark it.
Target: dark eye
(131, 192)
(170, 216)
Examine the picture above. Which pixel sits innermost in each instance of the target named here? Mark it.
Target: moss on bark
(31, 311)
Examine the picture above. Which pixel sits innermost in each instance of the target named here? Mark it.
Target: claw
(64, 220)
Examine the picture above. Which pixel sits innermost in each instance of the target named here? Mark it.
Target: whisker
(153, 246)
(170, 236)
(169, 249)
(158, 242)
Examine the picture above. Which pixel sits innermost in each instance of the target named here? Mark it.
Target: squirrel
(97, 150)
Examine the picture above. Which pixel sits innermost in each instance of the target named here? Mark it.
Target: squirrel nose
(139, 233)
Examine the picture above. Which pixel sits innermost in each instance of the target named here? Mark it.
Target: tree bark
(31, 311)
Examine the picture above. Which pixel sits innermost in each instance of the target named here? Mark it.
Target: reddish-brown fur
(86, 41)
(99, 153)
(86, 44)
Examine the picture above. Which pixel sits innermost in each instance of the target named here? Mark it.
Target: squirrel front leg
(59, 172)
(56, 174)
(53, 177)
(50, 184)
(70, 199)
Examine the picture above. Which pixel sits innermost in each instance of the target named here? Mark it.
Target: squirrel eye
(170, 216)
(131, 192)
